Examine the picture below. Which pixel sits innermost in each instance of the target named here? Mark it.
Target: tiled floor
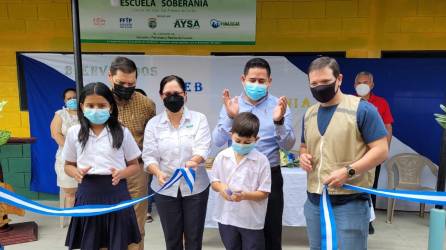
(408, 231)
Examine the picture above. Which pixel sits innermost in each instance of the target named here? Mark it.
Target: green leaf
(4, 136)
(443, 107)
(441, 118)
(441, 122)
(2, 104)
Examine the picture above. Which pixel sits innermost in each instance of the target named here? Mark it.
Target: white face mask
(362, 89)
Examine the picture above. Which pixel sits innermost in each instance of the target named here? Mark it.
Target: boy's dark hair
(246, 124)
(68, 90)
(170, 78)
(123, 64)
(325, 61)
(114, 126)
(257, 63)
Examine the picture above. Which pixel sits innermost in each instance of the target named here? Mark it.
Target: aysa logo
(187, 23)
(126, 22)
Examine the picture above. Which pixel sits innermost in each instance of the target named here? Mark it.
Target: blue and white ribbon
(428, 197)
(16, 200)
(328, 226)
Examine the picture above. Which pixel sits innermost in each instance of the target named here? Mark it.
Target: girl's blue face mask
(71, 104)
(255, 91)
(243, 149)
(97, 116)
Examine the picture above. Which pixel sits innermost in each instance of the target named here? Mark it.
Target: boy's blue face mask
(71, 104)
(243, 149)
(97, 116)
(255, 91)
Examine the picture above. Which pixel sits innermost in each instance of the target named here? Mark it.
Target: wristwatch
(350, 171)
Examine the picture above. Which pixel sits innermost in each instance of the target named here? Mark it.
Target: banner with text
(168, 21)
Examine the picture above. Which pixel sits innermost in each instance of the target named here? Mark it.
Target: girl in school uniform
(100, 154)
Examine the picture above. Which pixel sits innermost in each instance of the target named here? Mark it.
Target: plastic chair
(404, 173)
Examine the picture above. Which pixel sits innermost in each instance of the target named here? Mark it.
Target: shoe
(371, 228)
(149, 218)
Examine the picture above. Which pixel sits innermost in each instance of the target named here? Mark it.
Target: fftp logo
(126, 22)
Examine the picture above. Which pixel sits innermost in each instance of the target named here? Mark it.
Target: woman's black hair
(170, 78)
(113, 124)
(68, 90)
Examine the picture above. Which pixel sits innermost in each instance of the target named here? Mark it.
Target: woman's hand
(117, 175)
(79, 173)
(191, 164)
(162, 177)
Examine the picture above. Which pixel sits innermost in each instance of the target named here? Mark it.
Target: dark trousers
(183, 216)
(236, 238)
(375, 184)
(149, 192)
(273, 219)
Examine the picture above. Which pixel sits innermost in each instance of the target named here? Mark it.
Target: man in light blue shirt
(275, 132)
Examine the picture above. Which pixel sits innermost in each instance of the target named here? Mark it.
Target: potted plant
(441, 118)
(4, 135)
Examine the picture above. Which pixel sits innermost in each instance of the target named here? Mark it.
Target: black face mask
(123, 92)
(324, 93)
(174, 103)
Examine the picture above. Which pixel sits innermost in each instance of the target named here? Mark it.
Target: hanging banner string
(328, 224)
(13, 199)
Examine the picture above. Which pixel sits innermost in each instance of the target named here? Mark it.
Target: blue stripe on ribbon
(16, 200)
(191, 176)
(429, 197)
(327, 217)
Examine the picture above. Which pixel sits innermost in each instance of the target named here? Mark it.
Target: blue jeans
(352, 224)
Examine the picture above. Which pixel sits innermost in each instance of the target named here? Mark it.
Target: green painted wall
(16, 164)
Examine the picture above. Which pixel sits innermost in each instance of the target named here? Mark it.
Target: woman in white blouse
(64, 119)
(176, 138)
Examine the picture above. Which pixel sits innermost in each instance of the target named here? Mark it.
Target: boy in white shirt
(242, 176)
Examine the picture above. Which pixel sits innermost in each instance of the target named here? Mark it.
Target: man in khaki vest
(343, 139)
(135, 110)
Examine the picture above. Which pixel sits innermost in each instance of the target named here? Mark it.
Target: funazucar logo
(215, 23)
